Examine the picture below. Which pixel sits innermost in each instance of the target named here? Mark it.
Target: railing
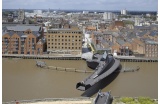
(5, 39)
(14, 39)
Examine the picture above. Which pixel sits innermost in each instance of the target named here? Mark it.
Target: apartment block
(151, 49)
(64, 41)
(23, 40)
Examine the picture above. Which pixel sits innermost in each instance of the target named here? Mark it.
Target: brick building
(64, 41)
(151, 49)
(22, 40)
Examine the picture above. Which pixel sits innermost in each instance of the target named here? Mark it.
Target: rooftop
(23, 28)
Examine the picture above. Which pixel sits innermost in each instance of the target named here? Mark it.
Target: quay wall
(77, 57)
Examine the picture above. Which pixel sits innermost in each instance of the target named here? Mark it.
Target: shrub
(127, 99)
(145, 100)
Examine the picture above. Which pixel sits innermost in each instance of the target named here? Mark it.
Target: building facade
(22, 40)
(64, 41)
(151, 49)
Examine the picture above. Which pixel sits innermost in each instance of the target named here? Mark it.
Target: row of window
(151, 55)
(64, 48)
(151, 45)
(151, 50)
(64, 43)
(63, 40)
(63, 36)
(57, 32)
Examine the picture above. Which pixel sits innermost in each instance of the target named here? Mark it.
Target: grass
(130, 100)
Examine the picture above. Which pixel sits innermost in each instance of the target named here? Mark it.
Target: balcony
(16, 42)
(22, 39)
(5, 40)
(14, 39)
(15, 46)
(22, 45)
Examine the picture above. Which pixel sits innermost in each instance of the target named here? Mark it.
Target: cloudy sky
(140, 5)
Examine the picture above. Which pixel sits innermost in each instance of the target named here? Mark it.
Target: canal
(22, 80)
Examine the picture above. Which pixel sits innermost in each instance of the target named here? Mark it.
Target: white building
(85, 12)
(38, 11)
(148, 15)
(109, 16)
(124, 12)
(137, 22)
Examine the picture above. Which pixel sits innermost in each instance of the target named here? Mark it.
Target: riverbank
(77, 57)
(116, 100)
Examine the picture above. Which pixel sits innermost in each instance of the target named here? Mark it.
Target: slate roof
(23, 28)
(120, 41)
(35, 33)
(131, 35)
(153, 33)
(142, 33)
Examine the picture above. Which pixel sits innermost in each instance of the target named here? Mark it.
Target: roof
(23, 28)
(20, 33)
(142, 27)
(91, 27)
(153, 33)
(119, 23)
(3, 33)
(151, 42)
(131, 35)
(36, 33)
(142, 33)
(120, 41)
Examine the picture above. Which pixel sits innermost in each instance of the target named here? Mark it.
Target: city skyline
(136, 5)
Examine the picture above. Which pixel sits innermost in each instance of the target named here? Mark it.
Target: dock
(45, 56)
(77, 57)
(135, 59)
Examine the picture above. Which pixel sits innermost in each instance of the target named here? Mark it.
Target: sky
(135, 5)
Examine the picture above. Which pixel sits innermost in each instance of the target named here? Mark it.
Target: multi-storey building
(64, 41)
(21, 15)
(151, 49)
(22, 40)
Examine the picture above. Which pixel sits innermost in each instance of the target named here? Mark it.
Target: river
(22, 80)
